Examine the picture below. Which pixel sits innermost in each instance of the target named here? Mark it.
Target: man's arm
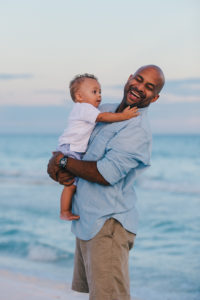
(86, 170)
(127, 150)
(83, 169)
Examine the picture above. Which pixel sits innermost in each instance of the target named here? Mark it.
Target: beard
(141, 100)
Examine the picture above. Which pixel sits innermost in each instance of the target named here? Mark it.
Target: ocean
(165, 261)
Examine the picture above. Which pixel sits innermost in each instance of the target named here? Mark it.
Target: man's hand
(65, 177)
(56, 173)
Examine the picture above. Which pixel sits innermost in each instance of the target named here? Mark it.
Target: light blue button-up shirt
(122, 151)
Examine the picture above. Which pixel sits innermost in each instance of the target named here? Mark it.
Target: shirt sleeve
(88, 113)
(127, 150)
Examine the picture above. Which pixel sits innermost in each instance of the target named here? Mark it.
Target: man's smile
(134, 94)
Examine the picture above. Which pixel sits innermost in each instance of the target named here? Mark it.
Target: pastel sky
(45, 43)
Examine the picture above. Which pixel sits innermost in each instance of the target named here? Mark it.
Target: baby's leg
(66, 203)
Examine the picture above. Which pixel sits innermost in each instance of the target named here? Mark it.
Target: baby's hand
(129, 112)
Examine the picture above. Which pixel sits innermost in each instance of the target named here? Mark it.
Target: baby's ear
(78, 97)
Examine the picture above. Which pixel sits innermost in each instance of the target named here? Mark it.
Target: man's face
(142, 88)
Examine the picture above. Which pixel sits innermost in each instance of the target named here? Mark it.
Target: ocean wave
(27, 181)
(160, 184)
(175, 187)
(25, 177)
(46, 253)
(42, 253)
(18, 248)
(155, 181)
(150, 294)
(34, 252)
(11, 173)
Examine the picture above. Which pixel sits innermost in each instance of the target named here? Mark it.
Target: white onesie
(81, 123)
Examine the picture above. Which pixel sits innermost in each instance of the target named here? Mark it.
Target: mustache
(134, 89)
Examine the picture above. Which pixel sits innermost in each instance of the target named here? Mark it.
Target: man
(105, 197)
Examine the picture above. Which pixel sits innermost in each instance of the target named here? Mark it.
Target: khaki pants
(101, 264)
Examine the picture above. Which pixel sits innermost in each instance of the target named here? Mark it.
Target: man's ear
(130, 77)
(155, 98)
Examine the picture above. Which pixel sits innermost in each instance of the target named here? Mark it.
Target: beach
(19, 287)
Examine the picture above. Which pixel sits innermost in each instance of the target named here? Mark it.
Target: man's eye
(150, 88)
(138, 79)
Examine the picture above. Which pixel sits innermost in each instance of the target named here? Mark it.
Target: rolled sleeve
(127, 150)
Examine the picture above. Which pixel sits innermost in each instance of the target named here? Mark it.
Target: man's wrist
(63, 162)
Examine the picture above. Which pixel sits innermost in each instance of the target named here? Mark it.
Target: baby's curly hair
(76, 81)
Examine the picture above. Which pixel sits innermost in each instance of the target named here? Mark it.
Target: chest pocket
(101, 136)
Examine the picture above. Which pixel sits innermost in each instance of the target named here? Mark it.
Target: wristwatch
(63, 162)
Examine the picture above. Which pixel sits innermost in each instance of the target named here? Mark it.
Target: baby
(85, 91)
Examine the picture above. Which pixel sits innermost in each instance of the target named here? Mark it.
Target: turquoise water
(165, 262)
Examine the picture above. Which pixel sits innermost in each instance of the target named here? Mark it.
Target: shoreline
(21, 287)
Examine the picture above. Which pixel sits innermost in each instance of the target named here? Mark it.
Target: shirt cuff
(111, 172)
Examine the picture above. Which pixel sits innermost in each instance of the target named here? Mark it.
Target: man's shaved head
(160, 75)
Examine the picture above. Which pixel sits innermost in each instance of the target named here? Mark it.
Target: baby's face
(89, 92)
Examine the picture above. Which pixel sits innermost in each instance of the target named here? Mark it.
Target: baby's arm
(110, 117)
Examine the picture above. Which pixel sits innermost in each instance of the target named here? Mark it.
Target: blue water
(165, 262)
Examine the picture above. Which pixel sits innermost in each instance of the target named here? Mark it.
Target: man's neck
(121, 107)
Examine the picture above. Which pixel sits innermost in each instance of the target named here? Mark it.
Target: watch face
(63, 162)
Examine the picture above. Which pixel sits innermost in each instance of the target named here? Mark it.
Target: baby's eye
(94, 91)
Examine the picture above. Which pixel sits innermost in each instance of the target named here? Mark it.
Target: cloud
(10, 76)
(51, 91)
(183, 87)
(179, 98)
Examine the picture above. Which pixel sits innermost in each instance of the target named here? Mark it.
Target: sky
(45, 43)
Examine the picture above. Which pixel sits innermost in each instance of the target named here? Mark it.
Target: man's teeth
(134, 94)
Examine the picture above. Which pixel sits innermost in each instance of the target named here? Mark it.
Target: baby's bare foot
(68, 216)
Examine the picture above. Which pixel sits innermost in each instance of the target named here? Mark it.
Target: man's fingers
(68, 182)
(65, 178)
(53, 165)
(51, 173)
